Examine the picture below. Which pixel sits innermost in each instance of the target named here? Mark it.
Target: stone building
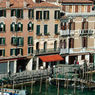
(28, 29)
(77, 41)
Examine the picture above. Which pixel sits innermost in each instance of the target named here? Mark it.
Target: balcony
(47, 51)
(86, 32)
(67, 32)
(64, 51)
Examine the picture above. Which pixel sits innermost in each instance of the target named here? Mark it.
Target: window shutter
(44, 15)
(11, 52)
(58, 14)
(76, 8)
(45, 29)
(16, 27)
(4, 27)
(48, 14)
(3, 41)
(28, 40)
(55, 15)
(38, 30)
(32, 27)
(37, 15)
(31, 40)
(29, 13)
(4, 52)
(56, 28)
(16, 12)
(11, 12)
(21, 27)
(28, 50)
(11, 28)
(4, 13)
(40, 14)
(22, 13)
(22, 41)
(21, 51)
(32, 13)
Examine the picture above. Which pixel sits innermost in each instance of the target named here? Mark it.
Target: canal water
(52, 90)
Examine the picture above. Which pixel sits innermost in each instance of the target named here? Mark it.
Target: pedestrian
(74, 62)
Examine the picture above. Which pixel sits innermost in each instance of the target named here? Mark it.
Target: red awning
(51, 58)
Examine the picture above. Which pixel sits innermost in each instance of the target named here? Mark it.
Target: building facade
(28, 29)
(77, 31)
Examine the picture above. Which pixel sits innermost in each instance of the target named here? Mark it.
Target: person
(74, 62)
(77, 62)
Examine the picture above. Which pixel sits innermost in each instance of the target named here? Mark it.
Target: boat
(6, 91)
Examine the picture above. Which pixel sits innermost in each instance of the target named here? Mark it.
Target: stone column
(44, 65)
(67, 59)
(8, 66)
(37, 64)
(15, 65)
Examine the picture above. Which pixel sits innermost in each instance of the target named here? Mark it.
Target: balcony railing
(86, 32)
(42, 51)
(76, 50)
(67, 32)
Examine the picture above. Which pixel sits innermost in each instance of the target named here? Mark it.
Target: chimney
(7, 3)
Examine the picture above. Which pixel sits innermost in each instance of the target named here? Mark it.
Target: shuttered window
(56, 28)
(38, 15)
(88, 8)
(46, 15)
(2, 41)
(3, 13)
(76, 8)
(45, 29)
(12, 27)
(57, 14)
(84, 42)
(30, 40)
(31, 13)
(2, 52)
(71, 43)
(30, 50)
(30, 26)
(2, 27)
(37, 29)
(13, 12)
(19, 27)
(19, 13)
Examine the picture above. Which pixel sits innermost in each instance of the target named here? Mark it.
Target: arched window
(55, 45)
(2, 27)
(12, 27)
(30, 26)
(84, 24)
(71, 43)
(37, 47)
(19, 27)
(64, 42)
(45, 46)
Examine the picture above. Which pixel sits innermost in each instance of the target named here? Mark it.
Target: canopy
(51, 58)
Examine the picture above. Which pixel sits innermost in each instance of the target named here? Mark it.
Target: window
(45, 29)
(82, 57)
(38, 30)
(64, 8)
(13, 12)
(2, 13)
(71, 25)
(2, 41)
(57, 14)
(84, 42)
(56, 28)
(19, 27)
(30, 40)
(19, 13)
(37, 47)
(31, 13)
(70, 9)
(64, 44)
(12, 27)
(38, 15)
(63, 26)
(76, 8)
(30, 50)
(17, 51)
(17, 41)
(2, 52)
(55, 45)
(85, 25)
(46, 15)
(71, 43)
(82, 8)
(88, 8)
(2, 27)
(45, 46)
(30, 26)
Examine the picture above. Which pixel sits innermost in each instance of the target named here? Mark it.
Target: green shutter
(48, 14)
(37, 15)
(58, 14)
(56, 28)
(3, 52)
(3, 41)
(4, 13)
(22, 13)
(21, 27)
(15, 41)
(28, 27)
(22, 41)
(40, 14)
(11, 52)
(31, 40)
(4, 27)
(21, 51)
(32, 13)
(44, 14)
(12, 40)
(45, 29)
(32, 27)
(28, 50)
(11, 12)
(55, 15)
(38, 30)
(16, 27)
(29, 13)
(11, 28)
(28, 40)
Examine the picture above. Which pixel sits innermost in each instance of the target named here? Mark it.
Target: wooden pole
(32, 86)
(40, 85)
